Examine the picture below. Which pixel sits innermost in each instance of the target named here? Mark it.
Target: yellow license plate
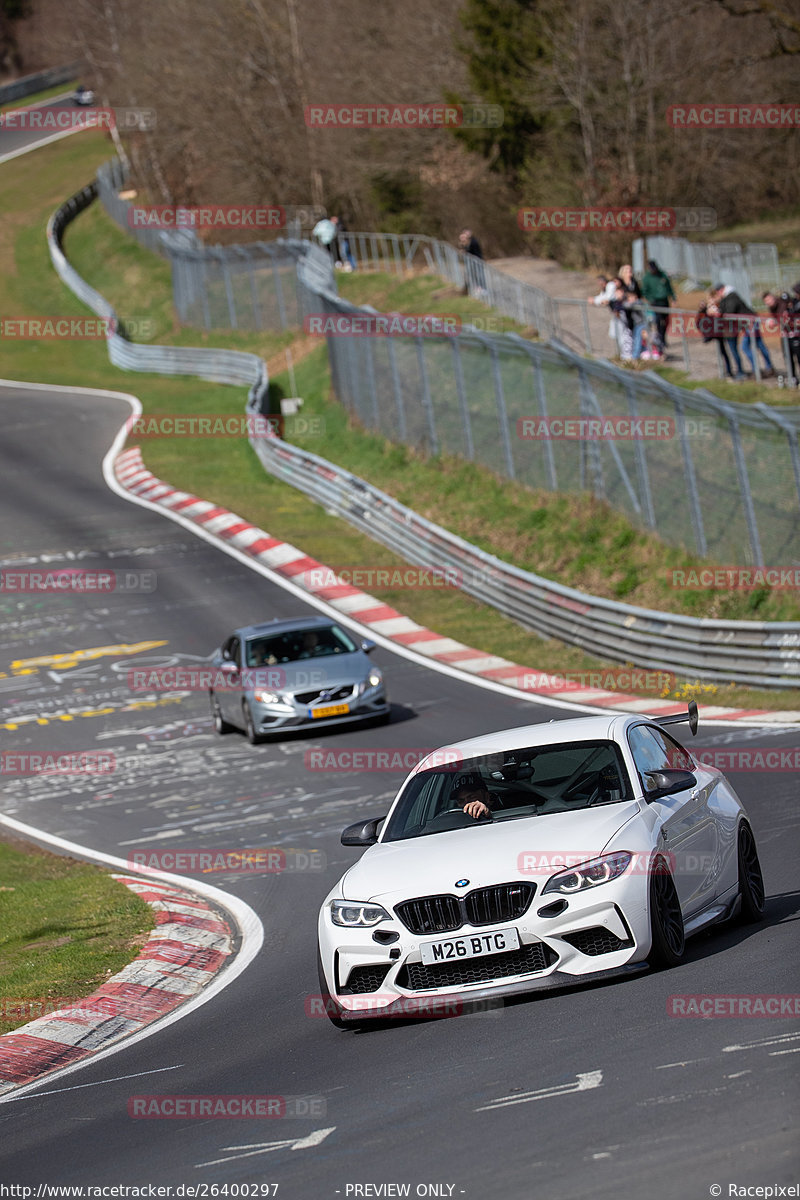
(332, 710)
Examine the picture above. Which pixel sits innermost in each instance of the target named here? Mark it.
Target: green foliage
(502, 51)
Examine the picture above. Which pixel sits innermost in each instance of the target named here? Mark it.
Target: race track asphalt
(613, 1096)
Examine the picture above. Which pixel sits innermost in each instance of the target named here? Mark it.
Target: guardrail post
(458, 370)
(691, 482)
(744, 488)
(426, 396)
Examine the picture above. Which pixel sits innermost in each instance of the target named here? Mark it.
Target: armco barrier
(28, 85)
(219, 366)
(757, 653)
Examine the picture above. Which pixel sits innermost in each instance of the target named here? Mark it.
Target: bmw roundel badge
(462, 882)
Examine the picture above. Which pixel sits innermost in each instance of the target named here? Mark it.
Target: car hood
(328, 671)
(485, 854)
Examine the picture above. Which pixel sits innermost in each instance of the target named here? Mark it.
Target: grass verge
(570, 538)
(66, 927)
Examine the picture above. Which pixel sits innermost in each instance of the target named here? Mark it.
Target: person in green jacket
(657, 291)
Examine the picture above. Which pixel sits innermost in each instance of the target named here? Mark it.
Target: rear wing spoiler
(690, 716)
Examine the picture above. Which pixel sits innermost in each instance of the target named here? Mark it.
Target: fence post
(586, 330)
(257, 321)
(549, 457)
(373, 391)
(276, 275)
(426, 395)
(691, 482)
(502, 414)
(458, 370)
(590, 453)
(222, 258)
(642, 472)
(398, 391)
(744, 488)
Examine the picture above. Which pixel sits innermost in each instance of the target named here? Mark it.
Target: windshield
(530, 782)
(296, 645)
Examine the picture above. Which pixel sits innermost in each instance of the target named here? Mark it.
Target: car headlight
(357, 915)
(589, 874)
(373, 680)
(268, 697)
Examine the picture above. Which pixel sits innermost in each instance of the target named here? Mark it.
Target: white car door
(688, 834)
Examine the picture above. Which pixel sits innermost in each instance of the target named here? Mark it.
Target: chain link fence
(751, 270)
(717, 479)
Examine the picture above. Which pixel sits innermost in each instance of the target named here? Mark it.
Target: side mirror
(667, 782)
(363, 833)
(367, 646)
(229, 666)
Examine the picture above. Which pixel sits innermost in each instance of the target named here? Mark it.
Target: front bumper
(291, 714)
(592, 937)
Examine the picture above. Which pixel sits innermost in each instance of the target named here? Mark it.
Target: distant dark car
(283, 675)
(83, 96)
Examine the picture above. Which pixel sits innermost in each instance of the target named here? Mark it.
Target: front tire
(253, 737)
(220, 724)
(667, 936)
(751, 881)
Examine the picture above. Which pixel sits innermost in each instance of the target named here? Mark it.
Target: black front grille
(365, 979)
(430, 914)
(506, 902)
(484, 906)
(416, 977)
(336, 694)
(596, 940)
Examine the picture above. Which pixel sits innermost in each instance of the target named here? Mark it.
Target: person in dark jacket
(657, 291)
(474, 272)
(786, 310)
(731, 304)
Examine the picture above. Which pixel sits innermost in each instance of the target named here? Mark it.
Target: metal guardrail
(742, 651)
(38, 82)
(749, 652)
(219, 366)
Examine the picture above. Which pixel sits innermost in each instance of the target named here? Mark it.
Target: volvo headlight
(268, 697)
(357, 915)
(589, 874)
(373, 680)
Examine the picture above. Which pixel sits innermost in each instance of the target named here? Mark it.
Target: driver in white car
(471, 794)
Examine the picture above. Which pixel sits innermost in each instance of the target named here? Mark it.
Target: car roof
(286, 625)
(608, 727)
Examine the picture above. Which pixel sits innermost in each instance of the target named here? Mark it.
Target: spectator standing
(325, 233)
(786, 310)
(474, 271)
(345, 252)
(636, 320)
(621, 308)
(608, 291)
(709, 324)
(657, 291)
(731, 304)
